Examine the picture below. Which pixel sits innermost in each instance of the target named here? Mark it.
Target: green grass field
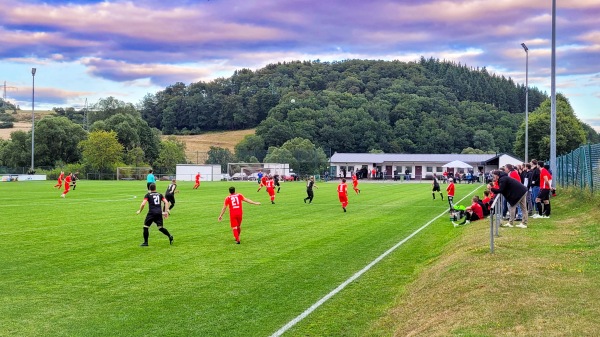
(73, 266)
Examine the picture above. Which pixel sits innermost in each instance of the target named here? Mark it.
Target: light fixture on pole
(526, 102)
(32, 116)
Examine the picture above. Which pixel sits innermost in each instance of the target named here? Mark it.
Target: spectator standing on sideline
(535, 184)
(197, 184)
(150, 179)
(343, 193)
(170, 194)
(515, 194)
(543, 198)
(450, 192)
(407, 174)
(310, 183)
(234, 202)
(436, 188)
(157, 209)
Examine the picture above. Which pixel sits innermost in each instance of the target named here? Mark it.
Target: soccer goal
(132, 173)
(249, 171)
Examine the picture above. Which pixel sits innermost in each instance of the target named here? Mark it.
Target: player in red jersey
(472, 213)
(234, 202)
(61, 177)
(342, 190)
(263, 182)
(271, 188)
(355, 183)
(67, 185)
(197, 181)
(450, 191)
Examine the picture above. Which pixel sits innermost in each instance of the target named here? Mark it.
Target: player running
(342, 190)
(271, 189)
(355, 183)
(263, 182)
(157, 209)
(436, 188)
(234, 202)
(197, 181)
(61, 177)
(67, 185)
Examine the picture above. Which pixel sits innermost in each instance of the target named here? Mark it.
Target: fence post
(590, 171)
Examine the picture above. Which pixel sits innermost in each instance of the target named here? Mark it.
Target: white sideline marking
(339, 288)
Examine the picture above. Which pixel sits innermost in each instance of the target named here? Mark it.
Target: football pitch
(74, 267)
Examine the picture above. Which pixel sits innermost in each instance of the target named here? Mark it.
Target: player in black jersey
(170, 194)
(156, 211)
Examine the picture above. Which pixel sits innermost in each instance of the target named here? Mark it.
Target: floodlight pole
(553, 98)
(526, 102)
(32, 116)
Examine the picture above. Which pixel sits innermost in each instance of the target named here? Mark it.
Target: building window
(429, 169)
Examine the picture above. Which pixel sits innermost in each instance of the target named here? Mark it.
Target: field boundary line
(359, 273)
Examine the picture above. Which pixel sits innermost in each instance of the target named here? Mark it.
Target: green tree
(110, 106)
(57, 139)
(102, 152)
(172, 152)
(250, 146)
(16, 152)
(219, 155)
(570, 133)
(305, 157)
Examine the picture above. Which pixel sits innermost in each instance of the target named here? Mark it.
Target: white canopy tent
(457, 164)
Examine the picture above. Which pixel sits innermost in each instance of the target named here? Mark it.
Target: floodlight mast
(526, 102)
(33, 70)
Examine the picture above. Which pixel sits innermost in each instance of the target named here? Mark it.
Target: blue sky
(127, 49)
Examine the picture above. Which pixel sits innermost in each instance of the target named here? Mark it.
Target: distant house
(418, 166)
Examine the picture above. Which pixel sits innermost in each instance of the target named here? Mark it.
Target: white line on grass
(339, 288)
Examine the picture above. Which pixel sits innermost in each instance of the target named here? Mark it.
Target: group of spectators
(526, 190)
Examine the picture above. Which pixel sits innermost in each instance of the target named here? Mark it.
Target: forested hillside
(428, 106)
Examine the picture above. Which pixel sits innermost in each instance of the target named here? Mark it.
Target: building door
(388, 172)
(418, 172)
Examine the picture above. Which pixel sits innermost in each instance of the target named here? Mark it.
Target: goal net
(249, 171)
(132, 173)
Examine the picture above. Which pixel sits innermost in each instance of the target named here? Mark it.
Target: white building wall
(187, 172)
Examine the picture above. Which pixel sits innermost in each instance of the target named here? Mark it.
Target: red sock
(236, 233)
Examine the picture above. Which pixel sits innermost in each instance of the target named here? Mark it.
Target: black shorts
(170, 198)
(436, 188)
(152, 217)
(544, 195)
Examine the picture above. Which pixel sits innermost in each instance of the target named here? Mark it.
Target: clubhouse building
(418, 166)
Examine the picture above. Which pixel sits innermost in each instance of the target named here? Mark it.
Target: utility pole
(7, 88)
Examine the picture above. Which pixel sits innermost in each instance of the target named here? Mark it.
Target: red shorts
(343, 197)
(235, 220)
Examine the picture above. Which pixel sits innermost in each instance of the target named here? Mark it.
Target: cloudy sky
(126, 49)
